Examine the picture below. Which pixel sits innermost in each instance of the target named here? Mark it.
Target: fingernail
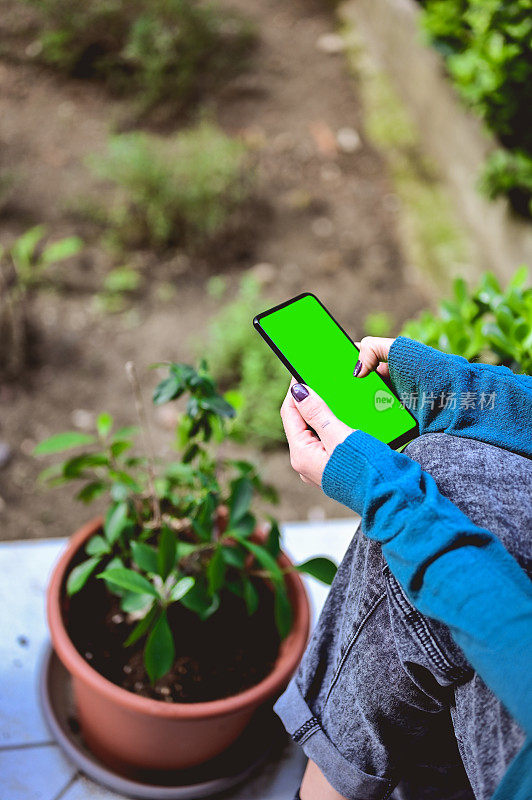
(358, 367)
(299, 391)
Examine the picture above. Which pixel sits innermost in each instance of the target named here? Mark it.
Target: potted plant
(176, 615)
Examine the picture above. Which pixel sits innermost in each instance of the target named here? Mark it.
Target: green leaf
(64, 248)
(181, 588)
(142, 626)
(91, 491)
(320, 568)
(160, 650)
(144, 557)
(75, 467)
(200, 602)
(130, 580)
(273, 545)
(251, 596)
(118, 447)
(282, 610)
(24, 247)
(97, 546)
(167, 552)
(245, 525)
(217, 405)
(125, 433)
(104, 423)
(265, 560)
(240, 500)
(215, 572)
(168, 389)
(116, 521)
(79, 575)
(63, 441)
(233, 557)
(131, 602)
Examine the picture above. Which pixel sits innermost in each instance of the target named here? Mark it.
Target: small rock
(127, 669)
(34, 49)
(27, 446)
(330, 43)
(324, 138)
(117, 618)
(88, 656)
(264, 273)
(330, 172)
(322, 227)
(348, 140)
(164, 690)
(82, 419)
(138, 686)
(6, 454)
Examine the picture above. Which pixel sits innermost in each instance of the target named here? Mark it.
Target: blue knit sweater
(430, 545)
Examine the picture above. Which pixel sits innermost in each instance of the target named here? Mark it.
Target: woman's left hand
(309, 452)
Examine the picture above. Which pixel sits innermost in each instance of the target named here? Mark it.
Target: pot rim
(287, 660)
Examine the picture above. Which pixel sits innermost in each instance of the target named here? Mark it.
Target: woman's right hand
(373, 355)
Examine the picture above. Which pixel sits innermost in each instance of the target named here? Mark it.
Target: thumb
(319, 416)
(373, 351)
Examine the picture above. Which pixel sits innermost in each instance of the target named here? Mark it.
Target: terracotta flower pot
(132, 733)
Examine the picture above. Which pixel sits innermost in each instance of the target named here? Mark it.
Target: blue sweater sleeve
(448, 394)
(451, 569)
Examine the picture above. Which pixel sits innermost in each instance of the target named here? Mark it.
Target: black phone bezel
(395, 443)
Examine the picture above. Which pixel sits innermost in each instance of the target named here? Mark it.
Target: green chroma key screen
(319, 353)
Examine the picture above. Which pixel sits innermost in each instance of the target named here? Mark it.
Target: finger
(297, 434)
(373, 351)
(316, 413)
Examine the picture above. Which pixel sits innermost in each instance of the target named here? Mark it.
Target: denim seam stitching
(422, 631)
(309, 733)
(352, 641)
(303, 732)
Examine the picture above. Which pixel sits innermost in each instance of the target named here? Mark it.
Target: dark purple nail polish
(358, 367)
(299, 391)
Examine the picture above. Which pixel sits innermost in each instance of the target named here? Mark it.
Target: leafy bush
(488, 49)
(487, 324)
(181, 190)
(156, 50)
(241, 360)
(23, 267)
(165, 538)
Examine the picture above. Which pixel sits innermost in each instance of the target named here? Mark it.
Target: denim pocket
(424, 641)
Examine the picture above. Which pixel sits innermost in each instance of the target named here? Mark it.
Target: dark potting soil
(217, 658)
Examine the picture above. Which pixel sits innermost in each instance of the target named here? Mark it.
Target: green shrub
(241, 362)
(23, 267)
(488, 49)
(486, 324)
(164, 540)
(182, 190)
(156, 50)
(509, 173)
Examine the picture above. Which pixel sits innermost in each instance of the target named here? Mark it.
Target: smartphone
(318, 352)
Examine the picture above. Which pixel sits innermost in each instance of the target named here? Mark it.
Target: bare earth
(331, 230)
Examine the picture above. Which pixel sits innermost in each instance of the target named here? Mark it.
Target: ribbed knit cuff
(408, 362)
(345, 475)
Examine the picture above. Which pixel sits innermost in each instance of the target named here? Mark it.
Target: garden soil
(331, 228)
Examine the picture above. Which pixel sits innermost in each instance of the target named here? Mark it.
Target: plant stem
(146, 437)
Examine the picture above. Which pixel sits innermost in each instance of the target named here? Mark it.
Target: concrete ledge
(451, 136)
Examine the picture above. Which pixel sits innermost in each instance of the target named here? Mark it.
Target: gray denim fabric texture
(384, 701)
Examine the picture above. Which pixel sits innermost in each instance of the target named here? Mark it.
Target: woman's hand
(309, 452)
(373, 356)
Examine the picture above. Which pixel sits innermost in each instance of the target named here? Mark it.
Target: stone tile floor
(32, 767)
